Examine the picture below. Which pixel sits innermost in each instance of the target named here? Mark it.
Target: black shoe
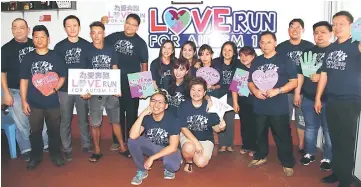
(32, 164)
(58, 161)
(330, 179)
(68, 156)
(325, 165)
(307, 159)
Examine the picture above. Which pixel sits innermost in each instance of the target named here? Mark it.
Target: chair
(8, 125)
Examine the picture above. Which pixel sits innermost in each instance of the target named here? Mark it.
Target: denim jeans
(313, 124)
(22, 124)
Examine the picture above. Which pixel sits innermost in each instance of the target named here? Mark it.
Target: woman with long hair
(161, 66)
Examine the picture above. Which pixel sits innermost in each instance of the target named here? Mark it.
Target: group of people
(176, 126)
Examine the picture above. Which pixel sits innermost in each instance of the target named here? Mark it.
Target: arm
(297, 96)
(8, 98)
(235, 101)
(137, 128)
(189, 135)
(144, 66)
(23, 94)
(256, 92)
(320, 89)
(220, 127)
(171, 148)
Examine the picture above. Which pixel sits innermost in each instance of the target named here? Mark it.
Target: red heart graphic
(45, 82)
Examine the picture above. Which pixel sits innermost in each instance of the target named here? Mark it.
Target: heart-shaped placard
(177, 20)
(265, 80)
(209, 74)
(45, 82)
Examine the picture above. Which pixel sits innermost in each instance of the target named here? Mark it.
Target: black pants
(248, 124)
(281, 133)
(52, 120)
(343, 118)
(128, 110)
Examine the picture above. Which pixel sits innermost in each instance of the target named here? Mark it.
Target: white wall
(89, 11)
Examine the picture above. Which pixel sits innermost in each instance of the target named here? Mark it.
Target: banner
(94, 81)
(211, 25)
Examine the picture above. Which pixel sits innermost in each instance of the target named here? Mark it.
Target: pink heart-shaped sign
(45, 82)
(265, 80)
(177, 20)
(209, 74)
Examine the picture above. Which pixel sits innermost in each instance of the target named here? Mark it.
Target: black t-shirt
(309, 88)
(293, 52)
(177, 96)
(342, 63)
(226, 73)
(101, 58)
(161, 73)
(34, 64)
(285, 70)
(12, 54)
(159, 132)
(74, 55)
(198, 120)
(132, 51)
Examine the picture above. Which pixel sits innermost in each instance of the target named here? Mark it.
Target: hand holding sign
(209, 74)
(239, 82)
(219, 106)
(308, 64)
(265, 80)
(356, 30)
(45, 83)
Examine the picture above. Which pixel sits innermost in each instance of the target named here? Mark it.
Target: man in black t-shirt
(307, 85)
(341, 81)
(133, 57)
(12, 54)
(39, 97)
(73, 50)
(293, 49)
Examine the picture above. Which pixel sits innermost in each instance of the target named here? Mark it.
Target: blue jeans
(313, 123)
(22, 124)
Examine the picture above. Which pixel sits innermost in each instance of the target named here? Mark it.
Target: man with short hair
(73, 50)
(102, 56)
(12, 54)
(40, 100)
(340, 79)
(307, 85)
(293, 48)
(271, 104)
(133, 57)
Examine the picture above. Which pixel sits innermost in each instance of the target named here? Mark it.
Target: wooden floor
(113, 170)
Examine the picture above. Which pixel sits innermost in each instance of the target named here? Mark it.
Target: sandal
(190, 167)
(230, 149)
(222, 149)
(125, 154)
(243, 151)
(95, 157)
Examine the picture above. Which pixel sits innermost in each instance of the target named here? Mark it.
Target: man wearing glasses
(132, 57)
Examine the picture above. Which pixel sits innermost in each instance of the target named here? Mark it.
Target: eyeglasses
(157, 101)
